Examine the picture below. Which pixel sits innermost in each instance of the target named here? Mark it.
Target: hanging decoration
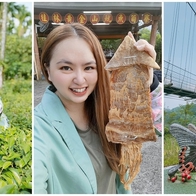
(147, 18)
(133, 18)
(120, 18)
(107, 18)
(69, 18)
(43, 17)
(56, 17)
(94, 18)
(82, 19)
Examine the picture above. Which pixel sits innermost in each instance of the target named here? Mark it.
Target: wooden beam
(37, 59)
(154, 30)
(111, 36)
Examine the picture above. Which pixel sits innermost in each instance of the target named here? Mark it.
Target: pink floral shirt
(156, 102)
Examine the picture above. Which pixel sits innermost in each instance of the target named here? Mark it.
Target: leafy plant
(171, 150)
(110, 44)
(182, 115)
(16, 141)
(145, 34)
(17, 100)
(15, 160)
(16, 94)
(17, 62)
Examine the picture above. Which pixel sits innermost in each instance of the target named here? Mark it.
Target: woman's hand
(143, 45)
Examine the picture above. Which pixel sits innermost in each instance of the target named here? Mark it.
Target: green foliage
(15, 160)
(110, 44)
(17, 100)
(16, 141)
(24, 18)
(16, 95)
(145, 34)
(182, 115)
(18, 57)
(187, 114)
(158, 49)
(40, 41)
(19, 13)
(171, 150)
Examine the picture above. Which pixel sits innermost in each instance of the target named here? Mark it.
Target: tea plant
(16, 141)
(15, 160)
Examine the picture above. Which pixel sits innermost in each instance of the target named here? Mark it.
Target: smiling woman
(73, 72)
(71, 151)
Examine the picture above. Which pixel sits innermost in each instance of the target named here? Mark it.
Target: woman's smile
(79, 91)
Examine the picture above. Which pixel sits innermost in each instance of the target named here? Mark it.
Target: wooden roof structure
(113, 30)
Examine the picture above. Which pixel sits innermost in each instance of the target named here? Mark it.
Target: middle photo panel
(98, 98)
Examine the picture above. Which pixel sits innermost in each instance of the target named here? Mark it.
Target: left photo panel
(15, 97)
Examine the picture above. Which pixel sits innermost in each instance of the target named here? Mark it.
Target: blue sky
(179, 40)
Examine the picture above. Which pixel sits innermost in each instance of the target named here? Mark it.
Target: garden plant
(16, 96)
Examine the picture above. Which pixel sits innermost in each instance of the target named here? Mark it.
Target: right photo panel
(179, 98)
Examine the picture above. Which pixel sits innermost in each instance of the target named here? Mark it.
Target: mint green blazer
(61, 162)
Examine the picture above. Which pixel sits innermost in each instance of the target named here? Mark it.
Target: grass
(171, 150)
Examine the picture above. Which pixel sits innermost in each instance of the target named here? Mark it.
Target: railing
(179, 78)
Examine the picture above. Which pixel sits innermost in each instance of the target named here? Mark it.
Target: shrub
(171, 150)
(18, 60)
(16, 141)
(17, 100)
(15, 160)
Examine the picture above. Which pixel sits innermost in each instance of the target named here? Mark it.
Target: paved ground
(178, 187)
(149, 180)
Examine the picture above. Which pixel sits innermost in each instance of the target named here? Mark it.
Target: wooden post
(37, 59)
(153, 32)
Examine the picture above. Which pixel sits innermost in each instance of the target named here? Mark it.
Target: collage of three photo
(97, 97)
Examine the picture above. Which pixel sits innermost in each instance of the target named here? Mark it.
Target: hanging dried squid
(130, 116)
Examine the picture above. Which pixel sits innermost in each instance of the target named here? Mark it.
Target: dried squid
(130, 116)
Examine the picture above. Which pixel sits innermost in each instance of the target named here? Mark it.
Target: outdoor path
(179, 187)
(149, 180)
